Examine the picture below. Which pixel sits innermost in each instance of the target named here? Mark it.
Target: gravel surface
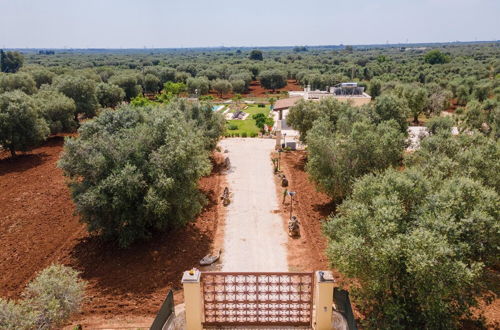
(255, 239)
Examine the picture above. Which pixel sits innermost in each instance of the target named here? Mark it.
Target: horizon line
(261, 46)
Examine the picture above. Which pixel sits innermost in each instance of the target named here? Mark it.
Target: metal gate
(232, 299)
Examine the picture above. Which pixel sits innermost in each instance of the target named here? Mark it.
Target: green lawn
(246, 127)
(254, 109)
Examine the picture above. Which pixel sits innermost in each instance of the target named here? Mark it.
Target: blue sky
(201, 23)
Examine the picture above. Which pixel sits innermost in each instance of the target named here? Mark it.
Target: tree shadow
(146, 265)
(29, 159)
(326, 209)
(143, 267)
(21, 163)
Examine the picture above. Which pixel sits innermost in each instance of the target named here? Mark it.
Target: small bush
(232, 127)
(49, 300)
(261, 105)
(244, 134)
(253, 134)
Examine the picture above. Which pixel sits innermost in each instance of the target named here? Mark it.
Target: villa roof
(286, 103)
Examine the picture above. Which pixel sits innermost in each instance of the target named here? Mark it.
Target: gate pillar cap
(192, 275)
(324, 276)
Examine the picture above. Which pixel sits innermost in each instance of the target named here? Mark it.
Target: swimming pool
(217, 107)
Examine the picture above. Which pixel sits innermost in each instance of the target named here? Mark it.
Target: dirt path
(254, 238)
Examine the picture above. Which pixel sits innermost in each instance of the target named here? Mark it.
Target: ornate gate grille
(257, 298)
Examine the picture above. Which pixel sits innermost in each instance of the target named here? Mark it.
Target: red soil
(306, 253)
(38, 227)
(256, 90)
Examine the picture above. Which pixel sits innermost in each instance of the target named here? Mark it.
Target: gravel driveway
(254, 237)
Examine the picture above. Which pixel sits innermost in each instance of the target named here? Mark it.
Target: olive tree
(472, 117)
(389, 106)
(54, 295)
(152, 83)
(341, 152)
(238, 86)
(41, 75)
(435, 56)
(109, 95)
(472, 155)
(375, 88)
(414, 247)
(201, 85)
(135, 171)
(57, 109)
(21, 125)
(302, 116)
(417, 100)
(272, 79)
(256, 55)
(17, 81)
(221, 86)
(10, 62)
(129, 83)
(82, 91)
(439, 100)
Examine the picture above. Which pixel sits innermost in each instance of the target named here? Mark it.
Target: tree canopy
(10, 62)
(272, 79)
(256, 55)
(415, 246)
(82, 91)
(134, 171)
(435, 56)
(21, 125)
(57, 109)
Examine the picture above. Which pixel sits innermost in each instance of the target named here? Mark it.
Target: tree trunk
(12, 152)
(415, 119)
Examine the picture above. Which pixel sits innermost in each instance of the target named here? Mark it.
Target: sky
(233, 23)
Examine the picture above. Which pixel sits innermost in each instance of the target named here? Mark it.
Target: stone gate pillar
(192, 299)
(323, 300)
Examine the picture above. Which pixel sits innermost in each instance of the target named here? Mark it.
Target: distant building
(349, 91)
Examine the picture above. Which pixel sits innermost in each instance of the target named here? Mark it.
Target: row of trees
(414, 233)
(346, 142)
(416, 242)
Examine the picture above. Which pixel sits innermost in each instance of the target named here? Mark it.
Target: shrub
(244, 134)
(261, 105)
(232, 127)
(49, 300)
(54, 294)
